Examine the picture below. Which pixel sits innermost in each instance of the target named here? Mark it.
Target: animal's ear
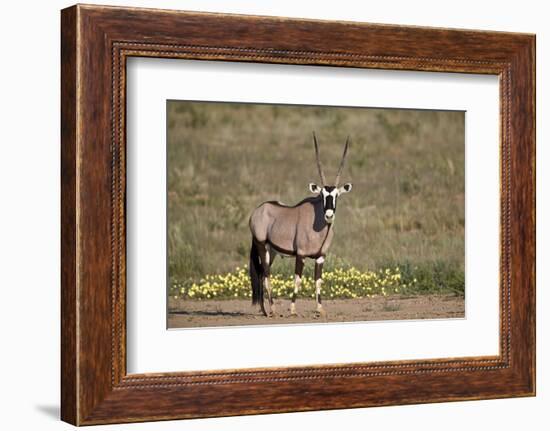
(345, 188)
(314, 188)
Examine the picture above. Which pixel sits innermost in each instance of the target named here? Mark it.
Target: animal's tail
(256, 275)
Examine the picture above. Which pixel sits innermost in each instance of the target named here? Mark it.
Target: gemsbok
(304, 230)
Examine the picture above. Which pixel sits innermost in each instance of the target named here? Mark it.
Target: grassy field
(405, 213)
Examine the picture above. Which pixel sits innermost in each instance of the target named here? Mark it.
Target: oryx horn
(342, 163)
(319, 166)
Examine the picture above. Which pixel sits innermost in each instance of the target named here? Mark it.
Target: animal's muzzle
(329, 209)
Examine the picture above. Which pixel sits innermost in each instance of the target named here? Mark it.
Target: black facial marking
(329, 203)
(329, 188)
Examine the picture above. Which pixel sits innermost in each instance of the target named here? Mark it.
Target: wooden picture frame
(95, 43)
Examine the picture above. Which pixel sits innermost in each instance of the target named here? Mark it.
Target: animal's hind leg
(298, 269)
(272, 256)
(260, 250)
(266, 259)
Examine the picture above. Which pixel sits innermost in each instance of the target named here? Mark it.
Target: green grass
(406, 208)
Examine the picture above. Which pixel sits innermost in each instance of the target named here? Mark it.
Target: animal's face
(330, 196)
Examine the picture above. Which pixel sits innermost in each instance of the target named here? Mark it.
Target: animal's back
(278, 223)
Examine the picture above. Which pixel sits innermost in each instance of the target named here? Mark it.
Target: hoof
(321, 313)
(293, 313)
(274, 312)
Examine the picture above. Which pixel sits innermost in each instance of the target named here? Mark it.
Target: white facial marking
(329, 213)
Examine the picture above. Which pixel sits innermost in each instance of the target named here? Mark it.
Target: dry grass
(407, 169)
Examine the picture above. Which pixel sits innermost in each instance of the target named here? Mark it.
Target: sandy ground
(188, 313)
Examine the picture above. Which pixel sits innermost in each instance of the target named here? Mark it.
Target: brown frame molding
(95, 43)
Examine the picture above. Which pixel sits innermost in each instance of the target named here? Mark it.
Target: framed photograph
(266, 215)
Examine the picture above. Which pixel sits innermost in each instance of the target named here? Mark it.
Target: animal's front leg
(298, 269)
(318, 283)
